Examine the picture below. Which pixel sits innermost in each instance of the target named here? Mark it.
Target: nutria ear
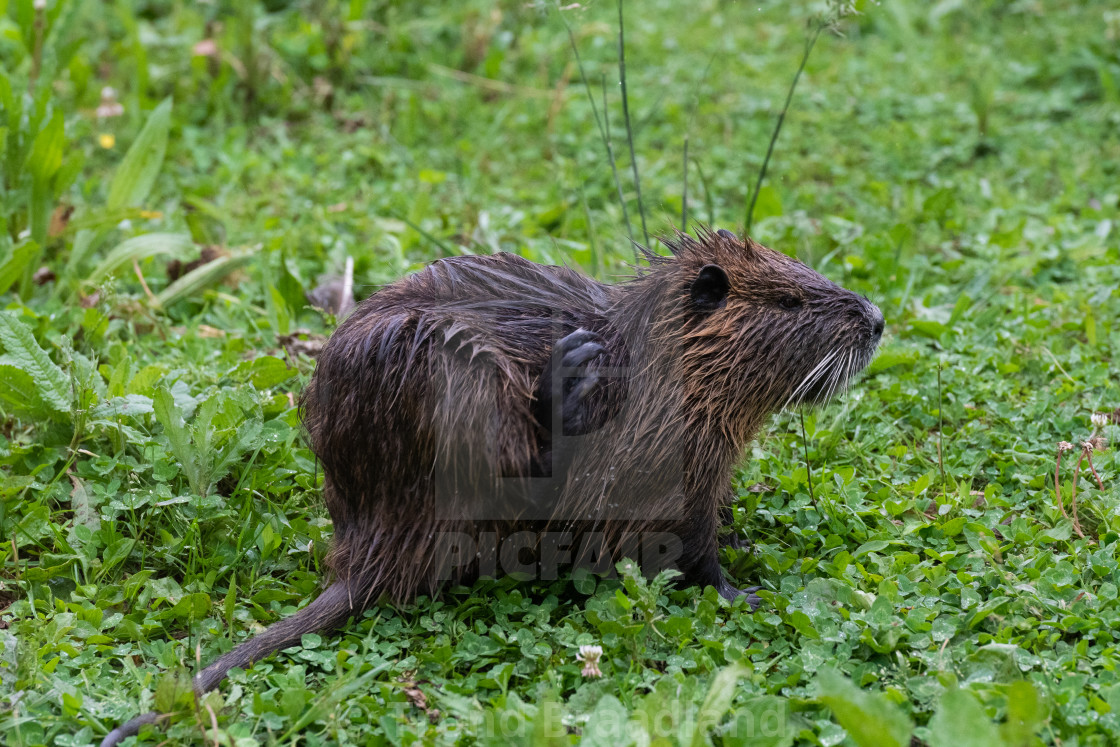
(709, 289)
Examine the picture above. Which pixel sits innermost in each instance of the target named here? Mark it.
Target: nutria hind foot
(707, 572)
(730, 593)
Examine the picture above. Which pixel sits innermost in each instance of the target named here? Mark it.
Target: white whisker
(810, 378)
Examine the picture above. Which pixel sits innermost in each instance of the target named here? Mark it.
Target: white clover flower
(1099, 419)
(589, 656)
(1065, 446)
(109, 106)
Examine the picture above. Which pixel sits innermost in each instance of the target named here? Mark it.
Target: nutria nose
(876, 320)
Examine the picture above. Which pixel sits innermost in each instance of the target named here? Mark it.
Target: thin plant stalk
(37, 48)
(602, 131)
(626, 118)
(810, 43)
(707, 192)
(1058, 484)
(808, 466)
(1089, 459)
(1073, 496)
(447, 250)
(614, 168)
(940, 429)
(687, 134)
(596, 254)
(684, 188)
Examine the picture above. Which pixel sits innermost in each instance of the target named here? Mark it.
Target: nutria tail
(331, 609)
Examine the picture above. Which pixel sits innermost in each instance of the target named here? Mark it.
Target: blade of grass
(603, 134)
(614, 168)
(626, 118)
(940, 429)
(447, 250)
(708, 202)
(809, 44)
(596, 254)
(687, 135)
(808, 466)
(684, 186)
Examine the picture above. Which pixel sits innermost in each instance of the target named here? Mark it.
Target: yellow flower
(151, 214)
(106, 140)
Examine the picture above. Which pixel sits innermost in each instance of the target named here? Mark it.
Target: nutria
(488, 405)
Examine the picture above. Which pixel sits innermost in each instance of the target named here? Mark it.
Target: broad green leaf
(606, 726)
(138, 171)
(200, 278)
(290, 288)
(130, 405)
(19, 395)
(717, 702)
(45, 157)
(139, 248)
(960, 721)
(85, 241)
(964, 302)
(762, 721)
(35, 524)
(989, 607)
(39, 212)
(116, 552)
(892, 357)
(173, 692)
(191, 607)
(171, 418)
(247, 439)
(872, 546)
(769, 204)
(24, 353)
(1026, 712)
(264, 371)
(279, 316)
(85, 515)
(869, 718)
(13, 266)
(43, 161)
(928, 328)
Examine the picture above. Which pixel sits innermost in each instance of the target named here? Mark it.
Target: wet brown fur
(422, 412)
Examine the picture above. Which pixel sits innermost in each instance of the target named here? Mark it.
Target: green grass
(958, 163)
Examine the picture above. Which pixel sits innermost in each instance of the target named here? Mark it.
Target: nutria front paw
(570, 378)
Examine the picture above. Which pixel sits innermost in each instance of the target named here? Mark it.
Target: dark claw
(570, 359)
(575, 340)
(576, 357)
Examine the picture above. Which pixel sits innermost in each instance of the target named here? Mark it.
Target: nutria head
(763, 331)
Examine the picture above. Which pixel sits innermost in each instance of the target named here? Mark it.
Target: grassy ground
(957, 162)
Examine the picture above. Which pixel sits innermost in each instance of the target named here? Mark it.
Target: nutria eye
(789, 302)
